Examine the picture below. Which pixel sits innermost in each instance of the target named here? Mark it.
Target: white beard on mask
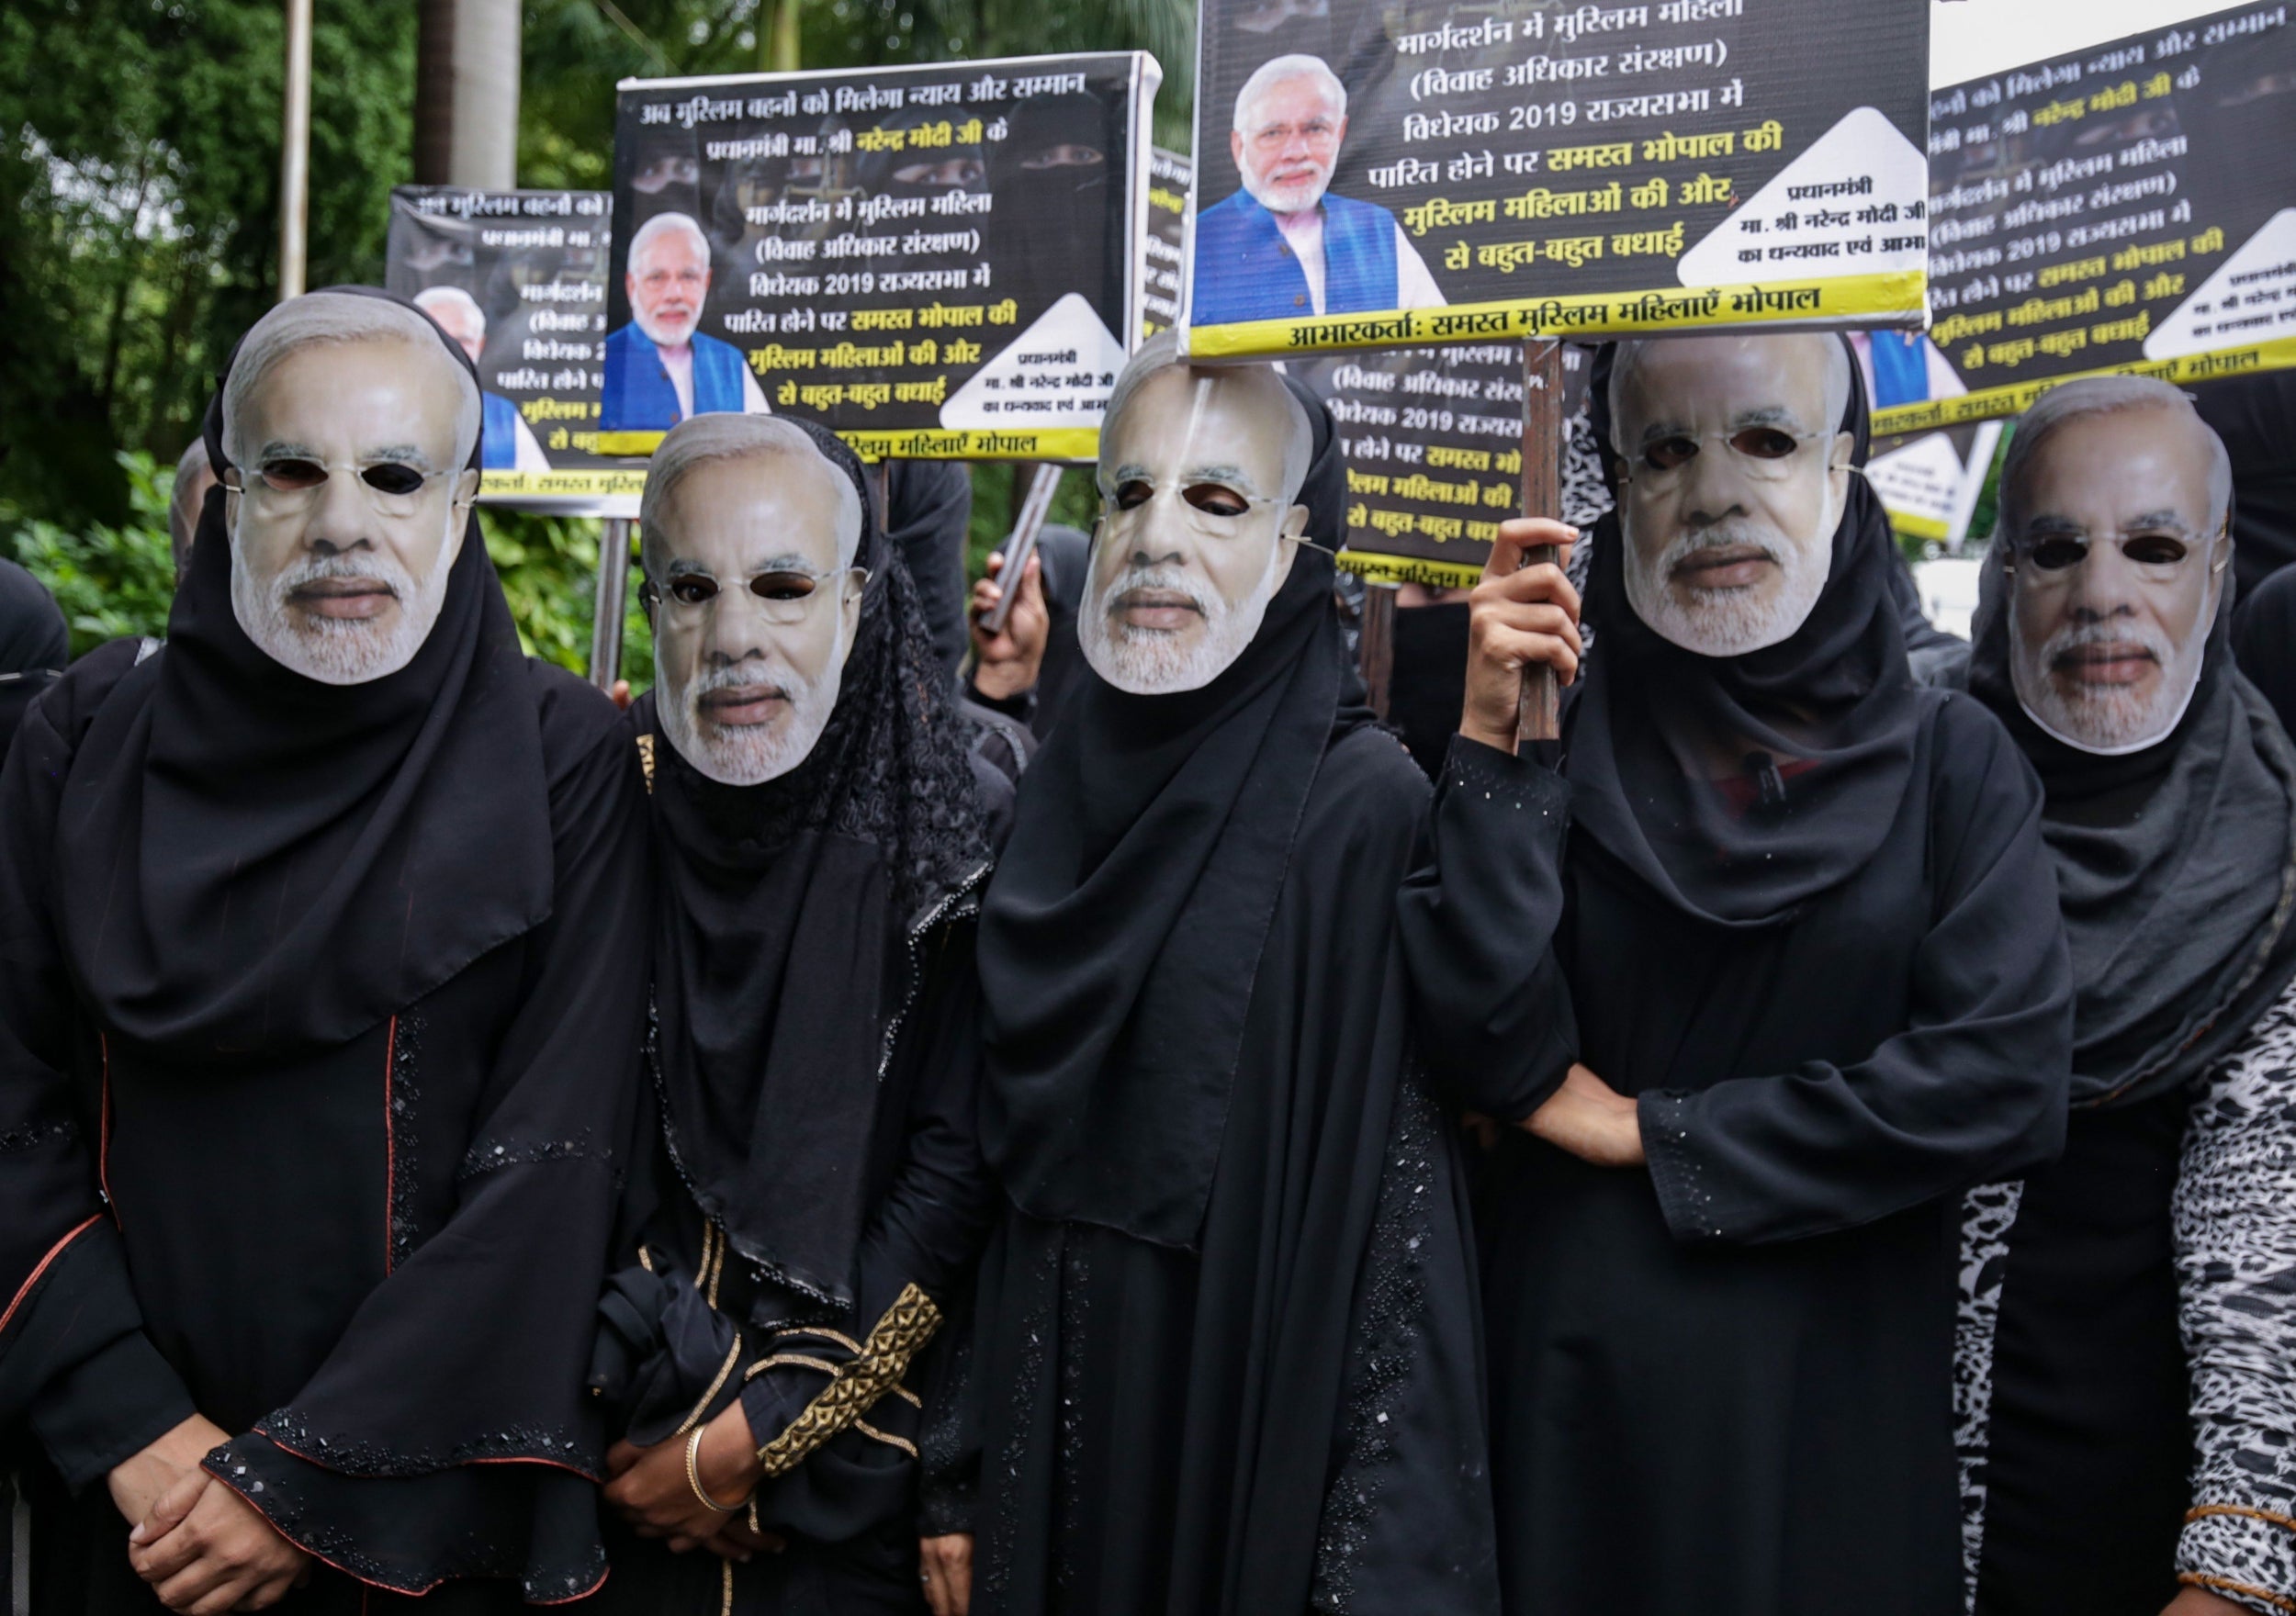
(340, 651)
(1150, 662)
(751, 754)
(2108, 720)
(1732, 623)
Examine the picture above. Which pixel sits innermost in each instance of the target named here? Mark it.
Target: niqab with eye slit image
(295, 860)
(1738, 788)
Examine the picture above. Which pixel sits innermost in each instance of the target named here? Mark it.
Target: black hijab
(1124, 927)
(2176, 867)
(783, 948)
(34, 645)
(282, 862)
(1823, 722)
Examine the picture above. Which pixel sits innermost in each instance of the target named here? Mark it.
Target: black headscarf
(1823, 725)
(287, 862)
(2256, 417)
(34, 645)
(787, 911)
(2176, 867)
(1124, 927)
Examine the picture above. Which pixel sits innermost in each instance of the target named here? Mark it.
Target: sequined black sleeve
(450, 1434)
(74, 1355)
(1478, 917)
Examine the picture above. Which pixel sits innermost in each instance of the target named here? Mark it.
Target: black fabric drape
(2256, 417)
(1120, 936)
(784, 925)
(34, 645)
(1821, 727)
(2175, 868)
(372, 1257)
(291, 860)
(930, 508)
(1427, 689)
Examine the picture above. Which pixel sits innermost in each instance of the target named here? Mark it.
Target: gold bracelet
(693, 1476)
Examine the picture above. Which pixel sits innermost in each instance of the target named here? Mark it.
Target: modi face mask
(1736, 474)
(2116, 559)
(1198, 472)
(755, 599)
(349, 428)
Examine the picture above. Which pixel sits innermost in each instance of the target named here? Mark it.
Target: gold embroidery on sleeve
(908, 1325)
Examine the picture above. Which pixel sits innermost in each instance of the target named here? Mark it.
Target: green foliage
(111, 581)
(549, 567)
(139, 224)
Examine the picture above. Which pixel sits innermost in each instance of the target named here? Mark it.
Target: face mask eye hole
(1133, 495)
(1214, 499)
(780, 586)
(393, 478)
(1669, 454)
(1764, 442)
(2154, 549)
(2054, 554)
(691, 589)
(292, 476)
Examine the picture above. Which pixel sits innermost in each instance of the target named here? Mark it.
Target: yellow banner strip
(1866, 299)
(1412, 569)
(602, 482)
(1996, 403)
(924, 443)
(1920, 527)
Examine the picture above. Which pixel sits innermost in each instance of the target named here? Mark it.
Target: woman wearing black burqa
(322, 950)
(1806, 983)
(2128, 1320)
(810, 1199)
(1227, 1358)
(34, 645)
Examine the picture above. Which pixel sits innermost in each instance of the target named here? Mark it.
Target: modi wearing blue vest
(660, 369)
(1283, 248)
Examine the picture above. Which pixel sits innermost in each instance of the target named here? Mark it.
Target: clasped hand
(202, 1547)
(650, 1489)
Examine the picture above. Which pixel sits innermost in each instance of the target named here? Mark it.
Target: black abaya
(1835, 983)
(34, 645)
(319, 1022)
(1227, 1361)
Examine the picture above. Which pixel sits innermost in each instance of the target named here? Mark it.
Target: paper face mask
(2117, 565)
(1736, 475)
(755, 608)
(1199, 470)
(349, 501)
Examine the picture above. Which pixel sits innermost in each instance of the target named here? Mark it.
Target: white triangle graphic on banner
(1863, 193)
(1058, 373)
(1920, 479)
(2250, 298)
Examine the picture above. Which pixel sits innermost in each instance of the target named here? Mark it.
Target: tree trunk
(465, 96)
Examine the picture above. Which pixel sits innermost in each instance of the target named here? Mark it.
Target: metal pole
(1537, 716)
(613, 584)
(294, 150)
(1375, 644)
(1022, 542)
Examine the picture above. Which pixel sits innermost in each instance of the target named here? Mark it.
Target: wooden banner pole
(1375, 644)
(1537, 716)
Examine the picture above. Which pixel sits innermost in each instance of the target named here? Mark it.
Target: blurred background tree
(138, 176)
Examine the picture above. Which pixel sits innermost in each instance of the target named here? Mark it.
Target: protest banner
(1170, 175)
(1929, 482)
(1560, 170)
(518, 279)
(1435, 456)
(935, 262)
(2120, 209)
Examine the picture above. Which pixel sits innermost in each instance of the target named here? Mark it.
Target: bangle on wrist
(693, 1476)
